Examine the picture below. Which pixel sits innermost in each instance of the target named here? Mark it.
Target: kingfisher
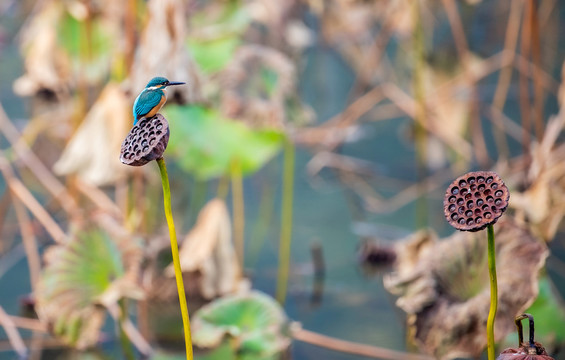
(152, 98)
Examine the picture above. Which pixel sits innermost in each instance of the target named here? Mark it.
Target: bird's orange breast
(157, 107)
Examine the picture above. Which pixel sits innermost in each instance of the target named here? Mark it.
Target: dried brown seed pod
(146, 141)
(475, 200)
(531, 350)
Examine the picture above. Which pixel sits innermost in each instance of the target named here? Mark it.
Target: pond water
(354, 305)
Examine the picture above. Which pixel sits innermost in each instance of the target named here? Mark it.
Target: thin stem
(238, 210)
(286, 221)
(349, 347)
(420, 133)
(493, 293)
(175, 251)
(124, 341)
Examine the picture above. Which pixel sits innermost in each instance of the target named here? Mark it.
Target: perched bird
(152, 98)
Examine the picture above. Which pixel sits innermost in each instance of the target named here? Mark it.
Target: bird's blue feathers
(146, 101)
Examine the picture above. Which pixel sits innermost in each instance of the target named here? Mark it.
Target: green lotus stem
(238, 210)
(176, 260)
(286, 222)
(493, 293)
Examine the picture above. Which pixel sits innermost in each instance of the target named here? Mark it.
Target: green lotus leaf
(79, 277)
(214, 53)
(253, 320)
(89, 57)
(207, 144)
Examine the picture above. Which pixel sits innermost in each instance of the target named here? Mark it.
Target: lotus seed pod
(525, 353)
(531, 350)
(475, 200)
(146, 141)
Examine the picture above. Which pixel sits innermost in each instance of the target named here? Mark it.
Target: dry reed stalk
(349, 347)
(130, 330)
(536, 59)
(373, 58)
(464, 56)
(28, 324)
(525, 105)
(29, 242)
(5, 202)
(19, 191)
(13, 334)
(505, 76)
(408, 105)
(41, 172)
(98, 197)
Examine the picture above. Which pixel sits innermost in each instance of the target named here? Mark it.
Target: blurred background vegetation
(309, 154)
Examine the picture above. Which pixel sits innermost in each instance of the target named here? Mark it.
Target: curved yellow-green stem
(176, 261)
(493, 293)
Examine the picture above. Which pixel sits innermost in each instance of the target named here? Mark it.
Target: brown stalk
(349, 347)
(408, 106)
(373, 57)
(5, 202)
(503, 122)
(29, 241)
(28, 324)
(41, 172)
(98, 197)
(536, 59)
(464, 55)
(528, 69)
(22, 193)
(505, 76)
(332, 132)
(13, 334)
(525, 105)
(130, 330)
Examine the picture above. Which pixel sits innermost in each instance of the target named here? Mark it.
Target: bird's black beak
(175, 83)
